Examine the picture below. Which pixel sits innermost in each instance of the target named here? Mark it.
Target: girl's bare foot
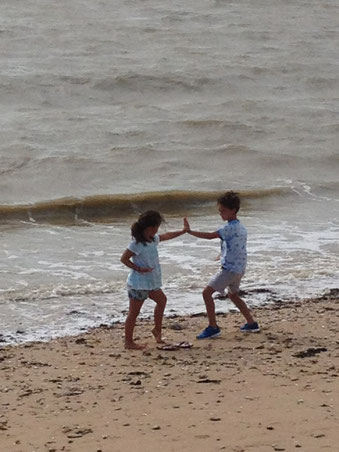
(157, 335)
(134, 346)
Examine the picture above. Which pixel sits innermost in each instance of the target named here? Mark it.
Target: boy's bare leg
(242, 306)
(134, 309)
(160, 299)
(210, 306)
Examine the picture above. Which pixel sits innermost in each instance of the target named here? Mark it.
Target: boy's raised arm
(200, 235)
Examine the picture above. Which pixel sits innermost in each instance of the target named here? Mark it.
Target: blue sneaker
(250, 328)
(209, 333)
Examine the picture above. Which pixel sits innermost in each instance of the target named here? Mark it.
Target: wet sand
(276, 390)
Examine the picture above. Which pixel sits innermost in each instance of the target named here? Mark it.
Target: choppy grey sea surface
(109, 108)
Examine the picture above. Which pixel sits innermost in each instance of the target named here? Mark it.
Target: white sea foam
(285, 262)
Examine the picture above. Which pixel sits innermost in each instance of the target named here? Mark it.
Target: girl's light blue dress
(145, 255)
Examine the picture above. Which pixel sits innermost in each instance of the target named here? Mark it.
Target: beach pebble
(176, 327)
(3, 425)
(214, 418)
(77, 432)
(156, 427)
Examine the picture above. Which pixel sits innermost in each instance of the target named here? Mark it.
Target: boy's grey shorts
(225, 279)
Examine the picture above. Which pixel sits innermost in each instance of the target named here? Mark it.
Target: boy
(233, 263)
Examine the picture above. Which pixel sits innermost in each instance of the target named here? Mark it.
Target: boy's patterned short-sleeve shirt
(145, 255)
(233, 246)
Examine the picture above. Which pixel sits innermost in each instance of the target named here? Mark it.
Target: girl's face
(150, 232)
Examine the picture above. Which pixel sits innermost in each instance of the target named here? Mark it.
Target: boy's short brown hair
(231, 200)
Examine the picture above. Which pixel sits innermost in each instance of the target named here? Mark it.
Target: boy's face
(226, 213)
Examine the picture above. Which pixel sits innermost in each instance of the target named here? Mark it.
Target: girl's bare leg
(160, 299)
(134, 309)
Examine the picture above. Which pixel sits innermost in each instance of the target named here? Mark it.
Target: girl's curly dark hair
(146, 219)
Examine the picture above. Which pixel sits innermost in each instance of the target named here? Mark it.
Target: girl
(144, 280)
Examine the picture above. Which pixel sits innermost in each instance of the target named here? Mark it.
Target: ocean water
(110, 108)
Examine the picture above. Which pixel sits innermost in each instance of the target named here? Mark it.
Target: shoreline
(273, 390)
(8, 340)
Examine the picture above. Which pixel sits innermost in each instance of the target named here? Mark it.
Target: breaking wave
(103, 208)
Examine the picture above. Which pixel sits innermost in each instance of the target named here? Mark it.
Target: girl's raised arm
(174, 234)
(171, 235)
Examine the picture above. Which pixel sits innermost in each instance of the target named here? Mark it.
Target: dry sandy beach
(272, 391)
